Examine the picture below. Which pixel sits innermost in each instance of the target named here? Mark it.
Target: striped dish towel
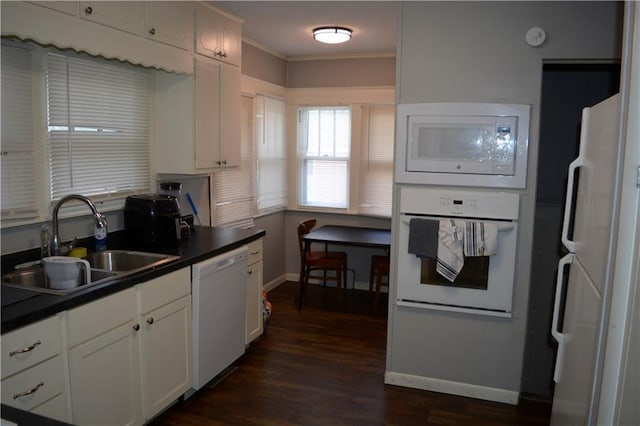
(480, 239)
(450, 259)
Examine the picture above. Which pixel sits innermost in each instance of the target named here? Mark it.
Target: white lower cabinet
(130, 353)
(33, 370)
(166, 355)
(104, 361)
(105, 379)
(254, 321)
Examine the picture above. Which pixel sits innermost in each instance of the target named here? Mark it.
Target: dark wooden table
(350, 236)
(347, 236)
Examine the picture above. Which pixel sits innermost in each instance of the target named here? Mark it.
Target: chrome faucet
(56, 246)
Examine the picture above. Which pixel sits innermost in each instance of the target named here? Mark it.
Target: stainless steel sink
(105, 266)
(126, 261)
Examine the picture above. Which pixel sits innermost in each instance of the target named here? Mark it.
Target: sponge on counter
(78, 252)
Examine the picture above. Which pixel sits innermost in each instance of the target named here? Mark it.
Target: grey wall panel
(273, 245)
(263, 65)
(476, 52)
(352, 72)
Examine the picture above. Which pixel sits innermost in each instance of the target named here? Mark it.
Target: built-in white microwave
(462, 144)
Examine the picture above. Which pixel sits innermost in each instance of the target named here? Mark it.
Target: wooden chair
(313, 262)
(379, 269)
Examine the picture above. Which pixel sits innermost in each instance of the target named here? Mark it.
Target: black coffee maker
(152, 219)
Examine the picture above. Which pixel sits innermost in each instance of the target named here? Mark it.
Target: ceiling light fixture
(332, 35)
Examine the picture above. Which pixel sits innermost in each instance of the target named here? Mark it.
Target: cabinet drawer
(165, 289)
(100, 316)
(255, 251)
(45, 380)
(30, 345)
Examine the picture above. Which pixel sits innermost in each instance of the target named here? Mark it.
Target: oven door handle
(557, 335)
(501, 226)
(575, 164)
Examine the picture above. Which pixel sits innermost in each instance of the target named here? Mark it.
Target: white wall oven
(456, 250)
(462, 144)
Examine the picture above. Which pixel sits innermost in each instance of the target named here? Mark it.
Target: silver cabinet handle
(136, 327)
(224, 162)
(88, 10)
(28, 392)
(25, 350)
(152, 31)
(250, 272)
(150, 320)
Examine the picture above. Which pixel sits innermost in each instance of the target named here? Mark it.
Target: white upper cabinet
(217, 115)
(121, 15)
(218, 36)
(198, 119)
(68, 7)
(110, 29)
(170, 22)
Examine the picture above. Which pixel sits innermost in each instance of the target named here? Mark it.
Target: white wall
(476, 52)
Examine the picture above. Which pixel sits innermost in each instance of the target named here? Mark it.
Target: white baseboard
(452, 388)
(274, 283)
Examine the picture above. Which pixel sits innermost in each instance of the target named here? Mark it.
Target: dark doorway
(566, 90)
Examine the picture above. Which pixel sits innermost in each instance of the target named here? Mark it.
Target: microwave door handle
(557, 335)
(578, 162)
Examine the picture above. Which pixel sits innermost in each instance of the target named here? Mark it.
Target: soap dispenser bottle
(45, 240)
(100, 233)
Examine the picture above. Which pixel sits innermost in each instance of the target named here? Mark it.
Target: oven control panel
(418, 200)
(459, 203)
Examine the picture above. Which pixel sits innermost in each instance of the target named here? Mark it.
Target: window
(234, 189)
(324, 139)
(271, 154)
(376, 166)
(18, 162)
(98, 127)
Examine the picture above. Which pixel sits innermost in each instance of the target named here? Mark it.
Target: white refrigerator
(579, 326)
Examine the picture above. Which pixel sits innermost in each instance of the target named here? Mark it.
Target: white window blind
(98, 128)
(233, 189)
(18, 162)
(324, 142)
(376, 169)
(271, 153)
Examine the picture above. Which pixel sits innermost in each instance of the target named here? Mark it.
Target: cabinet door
(170, 22)
(229, 115)
(207, 114)
(121, 15)
(166, 355)
(218, 36)
(254, 302)
(105, 378)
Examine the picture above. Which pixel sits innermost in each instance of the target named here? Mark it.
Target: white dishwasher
(219, 291)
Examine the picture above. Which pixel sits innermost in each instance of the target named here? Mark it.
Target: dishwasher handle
(222, 261)
(225, 263)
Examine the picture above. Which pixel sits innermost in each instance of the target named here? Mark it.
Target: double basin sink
(105, 265)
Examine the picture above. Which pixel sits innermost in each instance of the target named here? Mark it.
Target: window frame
(304, 159)
(40, 141)
(358, 98)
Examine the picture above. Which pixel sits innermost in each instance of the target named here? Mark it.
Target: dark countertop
(204, 243)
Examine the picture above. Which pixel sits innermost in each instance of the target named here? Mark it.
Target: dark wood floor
(325, 366)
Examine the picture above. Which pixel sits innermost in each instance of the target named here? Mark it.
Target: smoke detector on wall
(535, 36)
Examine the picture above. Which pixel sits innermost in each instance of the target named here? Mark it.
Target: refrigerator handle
(559, 337)
(578, 162)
